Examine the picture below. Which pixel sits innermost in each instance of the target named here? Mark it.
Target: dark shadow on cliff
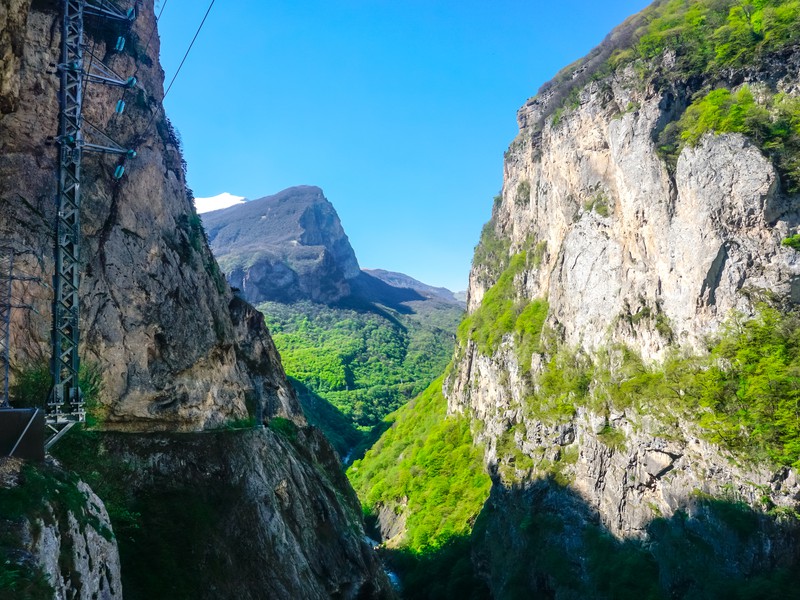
(544, 541)
(334, 424)
(350, 443)
(220, 514)
(441, 574)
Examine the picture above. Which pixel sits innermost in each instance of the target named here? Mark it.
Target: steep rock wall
(155, 308)
(176, 350)
(628, 251)
(66, 537)
(236, 514)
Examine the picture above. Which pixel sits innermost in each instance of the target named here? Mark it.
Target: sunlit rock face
(159, 321)
(629, 252)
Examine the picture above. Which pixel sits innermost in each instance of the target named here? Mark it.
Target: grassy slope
(427, 461)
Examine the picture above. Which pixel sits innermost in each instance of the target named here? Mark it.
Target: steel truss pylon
(66, 403)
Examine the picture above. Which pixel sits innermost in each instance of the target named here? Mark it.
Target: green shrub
(22, 581)
(792, 242)
(598, 204)
(501, 313)
(773, 125)
(523, 195)
(706, 37)
(284, 427)
(31, 385)
(538, 253)
(492, 251)
(612, 437)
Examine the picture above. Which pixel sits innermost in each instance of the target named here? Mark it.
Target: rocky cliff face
(174, 348)
(631, 252)
(57, 536)
(235, 514)
(155, 308)
(286, 247)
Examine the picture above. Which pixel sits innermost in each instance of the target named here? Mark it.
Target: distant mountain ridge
(356, 344)
(285, 247)
(291, 246)
(401, 280)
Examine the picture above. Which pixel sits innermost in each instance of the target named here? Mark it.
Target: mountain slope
(400, 280)
(628, 358)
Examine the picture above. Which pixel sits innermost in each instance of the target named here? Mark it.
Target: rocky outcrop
(239, 514)
(63, 540)
(285, 247)
(630, 251)
(621, 233)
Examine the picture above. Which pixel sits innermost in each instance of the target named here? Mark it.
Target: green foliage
(538, 253)
(48, 493)
(744, 393)
(563, 385)
(705, 36)
(491, 253)
(31, 385)
(528, 328)
(285, 427)
(81, 450)
(708, 35)
(792, 242)
(429, 459)
(612, 437)
(751, 387)
(501, 314)
(362, 363)
(22, 581)
(599, 204)
(523, 195)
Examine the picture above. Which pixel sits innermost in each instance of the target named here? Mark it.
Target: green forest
(352, 367)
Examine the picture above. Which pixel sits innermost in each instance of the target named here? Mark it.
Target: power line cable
(185, 56)
(172, 82)
(152, 32)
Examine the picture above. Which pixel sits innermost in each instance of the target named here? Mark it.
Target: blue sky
(400, 110)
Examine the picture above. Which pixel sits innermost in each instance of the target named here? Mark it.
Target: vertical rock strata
(175, 350)
(627, 251)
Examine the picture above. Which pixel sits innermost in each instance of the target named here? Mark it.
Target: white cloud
(224, 200)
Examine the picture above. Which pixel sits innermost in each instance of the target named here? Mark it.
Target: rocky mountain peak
(284, 247)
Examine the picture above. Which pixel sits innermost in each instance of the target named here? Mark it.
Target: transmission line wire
(172, 82)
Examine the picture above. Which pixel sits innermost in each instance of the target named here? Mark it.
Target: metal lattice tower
(6, 286)
(66, 405)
